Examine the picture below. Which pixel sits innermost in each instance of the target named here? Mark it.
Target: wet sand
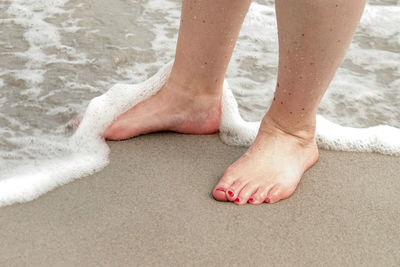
(152, 206)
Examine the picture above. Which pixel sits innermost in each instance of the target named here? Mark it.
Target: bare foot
(173, 108)
(271, 168)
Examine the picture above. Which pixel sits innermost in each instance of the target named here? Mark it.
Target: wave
(88, 151)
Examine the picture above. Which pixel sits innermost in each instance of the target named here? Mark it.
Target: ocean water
(56, 55)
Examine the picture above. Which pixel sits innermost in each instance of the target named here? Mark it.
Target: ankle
(183, 101)
(195, 84)
(304, 129)
(192, 93)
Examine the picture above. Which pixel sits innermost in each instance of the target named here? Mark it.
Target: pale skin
(313, 38)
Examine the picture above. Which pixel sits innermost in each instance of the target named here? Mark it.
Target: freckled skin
(190, 101)
(293, 115)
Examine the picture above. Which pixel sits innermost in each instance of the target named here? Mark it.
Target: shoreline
(152, 205)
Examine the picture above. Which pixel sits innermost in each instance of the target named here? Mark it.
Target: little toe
(278, 192)
(246, 193)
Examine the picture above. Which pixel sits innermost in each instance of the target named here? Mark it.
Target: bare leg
(190, 100)
(313, 38)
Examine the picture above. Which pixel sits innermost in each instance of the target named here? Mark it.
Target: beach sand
(153, 206)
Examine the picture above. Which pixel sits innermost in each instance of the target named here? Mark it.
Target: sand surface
(152, 206)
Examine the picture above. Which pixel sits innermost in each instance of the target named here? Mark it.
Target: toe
(278, 192)
(246, 193)
(112, 132)
(119, 130)
(234, 190)
(219, 194)
(261, 194)
(221, 189)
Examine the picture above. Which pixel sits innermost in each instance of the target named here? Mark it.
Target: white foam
(363, 93)
(40, 34)
(89, 152)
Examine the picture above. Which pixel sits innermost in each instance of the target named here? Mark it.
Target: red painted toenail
(230, 193)
(251, 199)
(268, 200)
(237, 200)
(221, 189)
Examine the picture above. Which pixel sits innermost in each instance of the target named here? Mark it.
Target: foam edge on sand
(90, 151)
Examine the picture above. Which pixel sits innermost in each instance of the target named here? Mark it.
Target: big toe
(117, 131)
(220, 190)
(111, 133)
(220, 194)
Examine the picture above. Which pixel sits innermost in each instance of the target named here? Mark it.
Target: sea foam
(89, 152)
(58, 54)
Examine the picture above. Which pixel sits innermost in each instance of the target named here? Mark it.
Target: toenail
(251, 199)
(221, 189)
(230, 193)
(268, 200)
(237, 200)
